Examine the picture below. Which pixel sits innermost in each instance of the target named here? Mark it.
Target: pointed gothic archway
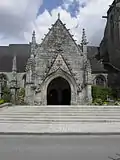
(59, 92)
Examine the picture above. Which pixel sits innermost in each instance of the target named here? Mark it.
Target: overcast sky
(18, 18)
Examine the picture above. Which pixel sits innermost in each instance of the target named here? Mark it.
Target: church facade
(56, 72)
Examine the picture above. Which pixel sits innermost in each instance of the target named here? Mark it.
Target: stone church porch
(58, 72)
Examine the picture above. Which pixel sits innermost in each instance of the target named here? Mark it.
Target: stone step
(58, 115)
(59, 118)
(61, 115)
(60, 111)
(49, 115)
(43, 121)
(55, 112)
(57, 108)
(50, 110)
(63, 107)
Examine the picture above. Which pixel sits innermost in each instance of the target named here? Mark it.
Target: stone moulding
(66, 76)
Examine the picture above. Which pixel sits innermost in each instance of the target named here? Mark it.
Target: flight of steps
(57, 114)
(60, 119)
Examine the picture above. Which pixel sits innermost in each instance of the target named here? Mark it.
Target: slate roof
(97, 67)
(22, 52)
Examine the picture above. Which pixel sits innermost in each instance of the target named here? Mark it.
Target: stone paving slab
(79, 128)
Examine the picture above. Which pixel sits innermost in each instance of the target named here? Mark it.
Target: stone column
(29, 94)
(13, 89)
(88, 82)
(13, 92)
(13, 86)
(89, 93)
(73, 98)
(85, 49)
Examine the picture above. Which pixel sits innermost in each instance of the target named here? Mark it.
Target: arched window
(100, 80)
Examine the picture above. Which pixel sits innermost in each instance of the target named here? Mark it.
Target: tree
(102, 93)
(6, 94)
(21, 96)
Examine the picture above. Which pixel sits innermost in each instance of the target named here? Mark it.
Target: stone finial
(14, 66)
(14, 79)
(58, 15)
(33, 38)
(84, 39)
(33, 44)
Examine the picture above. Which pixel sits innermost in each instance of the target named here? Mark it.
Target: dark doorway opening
(66, 97)
(59, 92)
(53, 97)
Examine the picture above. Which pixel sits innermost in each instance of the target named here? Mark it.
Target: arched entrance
(59, 92)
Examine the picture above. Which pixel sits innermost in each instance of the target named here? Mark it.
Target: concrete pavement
(59, 147)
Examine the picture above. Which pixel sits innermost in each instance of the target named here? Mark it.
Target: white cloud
(89, 17)
(19, 19)
(16, 18)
